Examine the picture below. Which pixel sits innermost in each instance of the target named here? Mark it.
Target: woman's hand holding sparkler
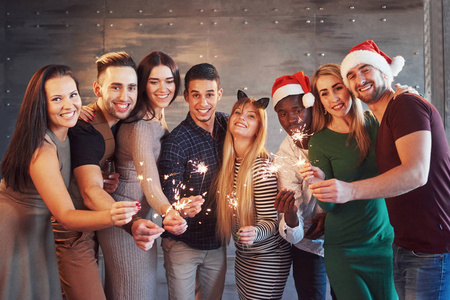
(174, 223)
(311, 174)
(247, 235)
(191, 206)
(123, 211)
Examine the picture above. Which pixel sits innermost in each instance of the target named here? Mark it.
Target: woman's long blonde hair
(244, 185)
(321, 119)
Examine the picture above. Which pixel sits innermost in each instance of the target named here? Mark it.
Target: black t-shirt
(87, 145)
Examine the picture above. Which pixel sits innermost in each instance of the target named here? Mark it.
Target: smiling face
(202, 96)
(160, 87)
(293, 116)
(63, 104)
(367, 83)
(244, 122)
(117, 91)
(335, 97)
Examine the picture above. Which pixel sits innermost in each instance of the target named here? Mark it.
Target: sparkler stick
(202, 169)
(233, 202)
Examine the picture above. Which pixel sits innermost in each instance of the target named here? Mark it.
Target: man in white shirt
(299, 211)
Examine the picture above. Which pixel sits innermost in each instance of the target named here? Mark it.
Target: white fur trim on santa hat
(308, 100)
(286, 90)
(371, 58)
(397, 65)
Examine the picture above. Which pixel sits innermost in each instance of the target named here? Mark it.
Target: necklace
(153, 118)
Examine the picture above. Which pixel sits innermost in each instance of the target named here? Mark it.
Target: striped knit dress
(261, 269)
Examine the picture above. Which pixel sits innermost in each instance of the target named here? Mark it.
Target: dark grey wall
(251, 42)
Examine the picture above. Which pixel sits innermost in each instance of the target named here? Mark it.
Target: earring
(325, 112)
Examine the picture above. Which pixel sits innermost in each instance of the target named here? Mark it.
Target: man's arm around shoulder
(414, 151)
(90, 183)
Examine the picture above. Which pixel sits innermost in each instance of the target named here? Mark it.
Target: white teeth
(162, 96)
(68, 115)
(365, 88)
(203, 111)
(122, 105)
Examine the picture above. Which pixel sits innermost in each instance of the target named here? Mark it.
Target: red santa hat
(368, 53)
(289, 85)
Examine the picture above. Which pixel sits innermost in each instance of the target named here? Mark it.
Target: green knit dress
(358, 236)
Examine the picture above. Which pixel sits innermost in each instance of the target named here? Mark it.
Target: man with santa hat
(413, 160)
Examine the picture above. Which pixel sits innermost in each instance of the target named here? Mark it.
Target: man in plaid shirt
(191, 155)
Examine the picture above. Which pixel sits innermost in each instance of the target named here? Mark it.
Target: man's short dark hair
(114, 59)
(203, 71)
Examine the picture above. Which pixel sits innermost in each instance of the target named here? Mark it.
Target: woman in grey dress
(130, 273)
(36, 171)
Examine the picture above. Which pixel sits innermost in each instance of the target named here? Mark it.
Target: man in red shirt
(413, 160)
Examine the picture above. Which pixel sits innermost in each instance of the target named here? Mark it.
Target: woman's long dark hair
(151, 60)
(30, 128)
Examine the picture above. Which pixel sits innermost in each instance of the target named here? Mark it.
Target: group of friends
(376, 183)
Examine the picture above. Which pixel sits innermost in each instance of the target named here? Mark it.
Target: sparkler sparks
(167, 176)
(178, 206)
(233, 202)
(300, 135)
(301, 161)
(201, 168)
(270, 169)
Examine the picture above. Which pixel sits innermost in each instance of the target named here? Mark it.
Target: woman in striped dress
(246, 210)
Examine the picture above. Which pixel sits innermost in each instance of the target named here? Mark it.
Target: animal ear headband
(262, 103)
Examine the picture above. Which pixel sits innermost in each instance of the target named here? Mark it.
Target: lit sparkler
(200, 168)
(233, 202)
(270, 169)
(300, 134)
(178, 206)
(301, 161)
(170, 175)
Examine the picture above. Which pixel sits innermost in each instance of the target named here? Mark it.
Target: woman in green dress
(358, 236)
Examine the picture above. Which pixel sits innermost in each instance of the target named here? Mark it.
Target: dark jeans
(309, 275)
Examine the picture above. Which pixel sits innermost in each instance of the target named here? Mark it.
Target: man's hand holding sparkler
(317, 228)
(173, 222)
(285, 203)
(145, 232)
(191, 206)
